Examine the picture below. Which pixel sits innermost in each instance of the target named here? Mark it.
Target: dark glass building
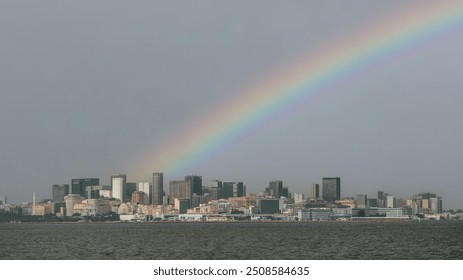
(79, 186)
(157, 191)
(331, 189)
(59, 192)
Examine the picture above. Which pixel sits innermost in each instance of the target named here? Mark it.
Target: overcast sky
(88, 88)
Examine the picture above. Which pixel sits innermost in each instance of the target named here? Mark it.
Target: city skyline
(86, 94)
(329, 190)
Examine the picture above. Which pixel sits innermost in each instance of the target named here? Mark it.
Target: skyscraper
(129, 189)
(118, 186)
(315, 192)
(331, 188)
(59, 192)
(275, 188)
(180, 190)
(197, 183)
(157, 193)
(79, 186)
(146, 187)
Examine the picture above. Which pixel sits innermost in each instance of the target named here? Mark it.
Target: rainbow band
(314, 75)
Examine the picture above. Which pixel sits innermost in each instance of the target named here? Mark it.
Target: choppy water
(316, 240)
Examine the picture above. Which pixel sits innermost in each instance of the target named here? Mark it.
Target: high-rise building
(275, 189)
(79, 186)
(129, 189)
(95, 192)
(390, 201)
(118, 186)
(157, 193)
(197, 183)
(180, 190)
(315, 192)
(59, 192)
(331, 189)
(237, 189)
(362, 201)
(216, 189)
(145, 187)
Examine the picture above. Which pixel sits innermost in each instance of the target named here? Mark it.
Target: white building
(298, 198)
(390, 202)
(118, 186)
(145, 187)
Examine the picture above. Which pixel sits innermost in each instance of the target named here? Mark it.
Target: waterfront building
(79, 186)
(118, 186)
(379, 213)
(347, 201)
(268, 205)
(157, 191)
(331, 189)
(341, 213)
(59, 192)
(314, 214)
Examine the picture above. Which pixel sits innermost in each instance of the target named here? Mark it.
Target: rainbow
(314, 75)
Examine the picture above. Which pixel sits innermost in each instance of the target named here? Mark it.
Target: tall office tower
(197, 183)
(146, 188)
(79, 186)
(227, 189)
(180, 190)
(129, 189)
(59, 192)
(381, 199)
(157, 193)
(275, 188)
(380, 195)
(390, 202)
(234, 189)
(331, 189)
(362, 201)
(216, 189)
(118, 186)
(315, 192)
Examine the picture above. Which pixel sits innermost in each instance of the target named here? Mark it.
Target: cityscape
(191, 199)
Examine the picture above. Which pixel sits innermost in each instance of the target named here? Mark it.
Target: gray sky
(90, 87)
